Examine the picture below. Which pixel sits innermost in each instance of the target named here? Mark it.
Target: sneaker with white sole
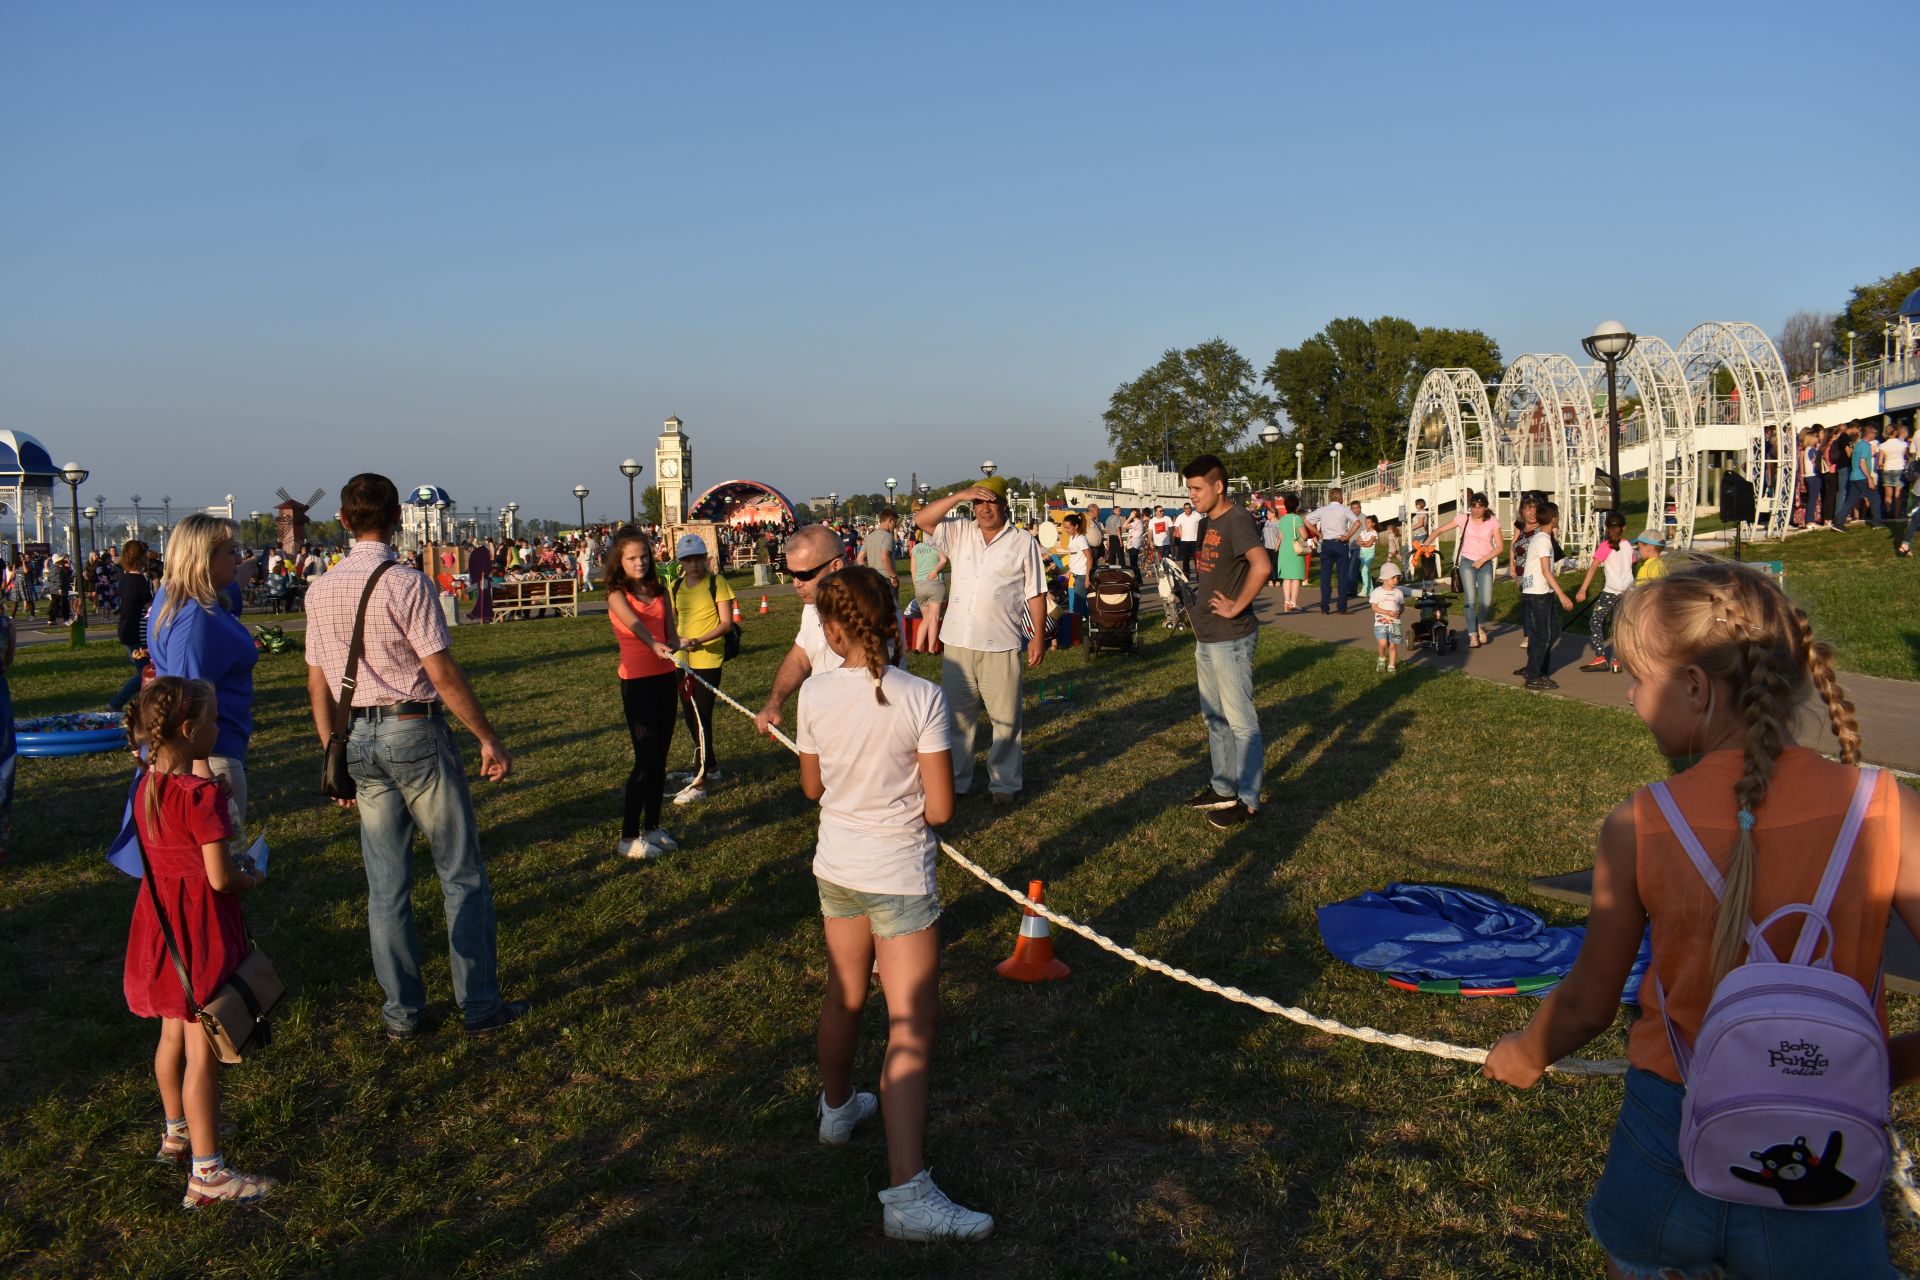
(639, 848)
(837, 1123)
(229, 1185)
(919, 1210)
(690, 795)
(661, 841)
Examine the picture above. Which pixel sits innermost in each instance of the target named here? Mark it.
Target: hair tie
(1746, 819)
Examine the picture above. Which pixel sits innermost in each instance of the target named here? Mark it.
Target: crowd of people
(1718, 657)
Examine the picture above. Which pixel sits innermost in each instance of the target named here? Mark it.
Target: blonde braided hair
(1737, 625)
(860, 601)
(163, 707)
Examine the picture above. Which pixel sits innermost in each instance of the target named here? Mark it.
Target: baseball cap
(1649, 538)
(690, 544)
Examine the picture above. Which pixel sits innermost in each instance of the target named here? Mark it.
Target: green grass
(654, 1115)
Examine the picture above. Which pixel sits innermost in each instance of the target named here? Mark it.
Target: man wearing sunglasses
(811, 554)
(996, 606)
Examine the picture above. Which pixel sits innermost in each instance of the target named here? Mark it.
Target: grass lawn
(654, 1116)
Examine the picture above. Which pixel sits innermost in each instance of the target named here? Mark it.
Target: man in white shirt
(812, 553)
(1335, 526)
(996, 606)
(1161, 527)
(1187, 525)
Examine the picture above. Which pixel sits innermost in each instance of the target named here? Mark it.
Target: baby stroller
(1175, 588)
(1112, 612)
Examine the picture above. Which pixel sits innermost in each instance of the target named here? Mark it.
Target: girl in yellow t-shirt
(703, 614)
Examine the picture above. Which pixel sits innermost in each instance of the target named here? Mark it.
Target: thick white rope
(1903, 1158)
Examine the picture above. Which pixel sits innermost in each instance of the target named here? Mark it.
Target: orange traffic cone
(1032, 959)
(763, 606)
(736, 609)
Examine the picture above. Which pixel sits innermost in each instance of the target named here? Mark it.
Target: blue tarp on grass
(1417, 933)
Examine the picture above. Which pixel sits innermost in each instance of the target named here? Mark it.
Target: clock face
(669, 468)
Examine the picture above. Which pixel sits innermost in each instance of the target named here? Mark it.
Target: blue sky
(491, 246)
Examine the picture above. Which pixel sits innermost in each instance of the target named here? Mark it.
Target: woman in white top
(1613, 554)
(874, 751)
(1079, 565)
(1894, 454)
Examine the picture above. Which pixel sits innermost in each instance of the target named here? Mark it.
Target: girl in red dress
(184, 828)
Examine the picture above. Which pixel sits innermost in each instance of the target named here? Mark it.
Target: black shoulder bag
(335, 780)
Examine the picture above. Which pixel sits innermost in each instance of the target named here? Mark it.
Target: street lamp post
(580, 492)
(891, 484)
(513, 509)
(166, 519)
(1609, 342)
(1299, 465)
(1850, 337)
(1816, 370)
(76, 475)
(833, 506)
(1270, 437)
(136, 518)
(93, 540)
(631, 468)
(1338, 449)
(987, 468)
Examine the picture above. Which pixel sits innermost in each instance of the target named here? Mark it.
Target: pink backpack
(1787, 1092)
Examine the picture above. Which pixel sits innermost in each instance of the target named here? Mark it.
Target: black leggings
(699, 713)
(648, 703)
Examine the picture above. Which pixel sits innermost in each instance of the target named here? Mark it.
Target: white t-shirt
(1079, 557)
(1532, 582)
(812, 638)
(1162, 530)
(1893, 456)
(1387, 602)
(874, 836)
(1188, 522)
(1136, 532)
(1616, 565)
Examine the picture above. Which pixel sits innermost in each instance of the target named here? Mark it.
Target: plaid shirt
(404, 625)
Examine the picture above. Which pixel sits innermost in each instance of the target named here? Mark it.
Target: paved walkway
(1888, 710)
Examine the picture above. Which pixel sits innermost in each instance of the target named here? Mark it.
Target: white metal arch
(1544, 415)
(1759, 404)
(1663, 420)
(1452, 446)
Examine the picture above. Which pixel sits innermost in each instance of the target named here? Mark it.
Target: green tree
(1201, 400)
(650, 504)
(1353, 383)
(1870, 310)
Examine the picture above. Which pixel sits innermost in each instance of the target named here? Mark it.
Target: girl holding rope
(1720, 659)
(874, 751)
(642, 618)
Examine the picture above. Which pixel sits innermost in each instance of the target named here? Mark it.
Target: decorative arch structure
(1543, 414)
(721, 501)
(1662, 421)
(1758, 406)
(1452, 443)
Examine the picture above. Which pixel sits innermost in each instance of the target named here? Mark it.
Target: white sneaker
(918, 1210)
(639, 847)
(662, 842)
(836, 1123)
(684, 776)
(690, 795)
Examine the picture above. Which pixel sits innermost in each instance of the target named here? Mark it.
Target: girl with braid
(874, 752)
(184, 825)
(1720, 661)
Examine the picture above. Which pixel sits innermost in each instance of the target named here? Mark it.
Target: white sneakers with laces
(661, 841)
(919, 1210)
(837, 1123)
(689, 795)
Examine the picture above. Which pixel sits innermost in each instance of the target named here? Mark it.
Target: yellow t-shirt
(696, 611)
(1650, 569)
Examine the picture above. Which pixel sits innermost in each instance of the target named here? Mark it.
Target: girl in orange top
(1720, 660)
(641, 611)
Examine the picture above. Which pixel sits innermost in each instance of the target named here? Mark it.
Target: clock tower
(673, 464)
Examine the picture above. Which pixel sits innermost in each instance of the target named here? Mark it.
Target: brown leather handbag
(236, 1018)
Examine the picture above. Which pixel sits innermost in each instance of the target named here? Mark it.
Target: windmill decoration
(291, 519)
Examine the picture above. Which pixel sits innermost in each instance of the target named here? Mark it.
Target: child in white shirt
(1387, 601)
(874, 752)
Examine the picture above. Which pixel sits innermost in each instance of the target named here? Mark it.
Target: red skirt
(209, 927)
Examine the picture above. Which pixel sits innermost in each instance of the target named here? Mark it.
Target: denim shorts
(1388, 631)
(1650, 1220)
(889, 915)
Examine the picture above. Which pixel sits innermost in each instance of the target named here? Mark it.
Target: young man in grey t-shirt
(1230, 567)
(877, 551)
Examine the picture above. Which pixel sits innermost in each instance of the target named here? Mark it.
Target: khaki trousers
(973, 679)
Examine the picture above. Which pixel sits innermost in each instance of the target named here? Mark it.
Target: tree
(1797, 338)
(1201, 400)
(650, 504)
(1353, 383)
(1872, 308)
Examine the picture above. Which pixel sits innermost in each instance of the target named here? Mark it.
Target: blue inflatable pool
(79, 734)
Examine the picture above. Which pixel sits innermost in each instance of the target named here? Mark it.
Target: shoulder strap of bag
(1703, 864)
(343, 708)
(1837, 862)
(166, 929)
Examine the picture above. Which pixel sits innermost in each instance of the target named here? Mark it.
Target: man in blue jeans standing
(1230, 567)
(1335, 526)
(406, 771)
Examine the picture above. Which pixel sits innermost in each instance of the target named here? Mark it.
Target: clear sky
(492, 245)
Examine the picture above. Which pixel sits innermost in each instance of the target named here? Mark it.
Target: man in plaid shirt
(406, 770)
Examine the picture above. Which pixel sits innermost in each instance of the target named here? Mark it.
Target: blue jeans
(1811, 498)
(1334, 559)
(1477, 586)
(1857, 490)
(409, 778)
(1224, 671)
(1649, 1219)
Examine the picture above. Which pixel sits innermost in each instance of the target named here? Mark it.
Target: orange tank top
(636, 659)
(1799, 820)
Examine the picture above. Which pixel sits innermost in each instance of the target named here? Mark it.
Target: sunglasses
(808, 575)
